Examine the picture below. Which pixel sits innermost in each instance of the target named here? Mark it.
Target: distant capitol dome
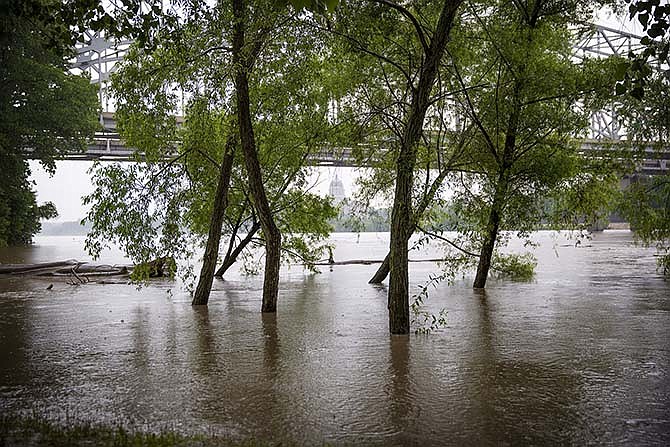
(336, 189)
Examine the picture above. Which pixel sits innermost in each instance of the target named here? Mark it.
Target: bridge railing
(100, 57)
(649, 158)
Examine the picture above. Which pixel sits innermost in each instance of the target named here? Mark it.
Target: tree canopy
(175, 200)
(44, 110)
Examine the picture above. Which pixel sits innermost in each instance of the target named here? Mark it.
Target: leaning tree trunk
(486, 253)
(384, 268)
(231, 257)
(499, 198)
(204, 287)
(382, 272)
(257, 190)
(401, 215)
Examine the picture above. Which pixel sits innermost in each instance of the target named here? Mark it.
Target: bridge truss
(99, 57)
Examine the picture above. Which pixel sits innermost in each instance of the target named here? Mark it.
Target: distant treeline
(71, 228)
(352, 219)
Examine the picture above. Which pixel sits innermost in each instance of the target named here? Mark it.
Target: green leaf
(621, 69)
(620, 89)
(637, 93)
(643, 19)
(656, 30)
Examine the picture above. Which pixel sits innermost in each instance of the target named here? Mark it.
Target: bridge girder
(99, 57)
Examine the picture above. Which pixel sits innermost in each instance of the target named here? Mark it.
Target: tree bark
(271, 232)
(201, 297)
(383, 270)
(231, 257)
(489, 244)
(499, 198)
(401, 215)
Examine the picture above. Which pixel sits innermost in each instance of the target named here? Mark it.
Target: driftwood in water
(159, 267)
(68, 268)
(89, 269)
(12, 269)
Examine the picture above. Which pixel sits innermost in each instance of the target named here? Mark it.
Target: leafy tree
(527, 115)
(45, 111)
(187, 193)
(641, 107)
(405, 44)
(646, 202)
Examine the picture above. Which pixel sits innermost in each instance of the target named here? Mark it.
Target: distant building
(336, 189)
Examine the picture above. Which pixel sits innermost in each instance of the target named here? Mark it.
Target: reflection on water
(580, 355)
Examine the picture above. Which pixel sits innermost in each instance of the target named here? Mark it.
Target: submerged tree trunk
(384, 269)
(257, 190)
(486, 253)
(382, 272)
(401, 215)
(398, 297)
(204, 286)
(231, 257)
(500, 196)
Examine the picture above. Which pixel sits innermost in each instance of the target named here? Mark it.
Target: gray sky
(65, 189)
(71, 182)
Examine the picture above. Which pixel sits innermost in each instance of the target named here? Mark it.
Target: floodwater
(580, 355)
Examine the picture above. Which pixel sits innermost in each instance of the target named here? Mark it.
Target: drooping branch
(444, 239)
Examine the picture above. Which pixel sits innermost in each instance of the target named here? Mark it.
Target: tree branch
(444, 239)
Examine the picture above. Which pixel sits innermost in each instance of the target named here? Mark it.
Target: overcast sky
(71, 181)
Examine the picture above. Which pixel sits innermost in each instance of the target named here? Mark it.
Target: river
(579, 355)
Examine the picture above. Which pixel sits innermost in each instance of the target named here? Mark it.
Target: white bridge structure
(99, 57)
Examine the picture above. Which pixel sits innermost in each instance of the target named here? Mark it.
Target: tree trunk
(382, 272)
(495, 216)
(231, 257)
(401, 215)
(256, 189)
(204, 286)
(486, 252)
(398, 297)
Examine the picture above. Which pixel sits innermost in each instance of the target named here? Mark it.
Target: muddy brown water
(579, 355)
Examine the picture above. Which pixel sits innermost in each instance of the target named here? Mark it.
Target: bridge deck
(108, 146)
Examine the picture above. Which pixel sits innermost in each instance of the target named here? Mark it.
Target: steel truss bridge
(99, 57)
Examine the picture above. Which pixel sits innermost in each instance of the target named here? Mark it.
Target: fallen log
(20, 268)
(369, 261)
(70, 267)
(118, 272)
(88, 268)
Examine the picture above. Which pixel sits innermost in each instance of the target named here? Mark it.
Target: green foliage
(646, 205)
(172, 201)
(45, 111)
(582, 201)
(141, 208)
(521, 88)
(514, 266)
(356, 217)
(318, 6)
(635, 73)
(304, 221)
(423, 321)
(39, 430)
(647, 120)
